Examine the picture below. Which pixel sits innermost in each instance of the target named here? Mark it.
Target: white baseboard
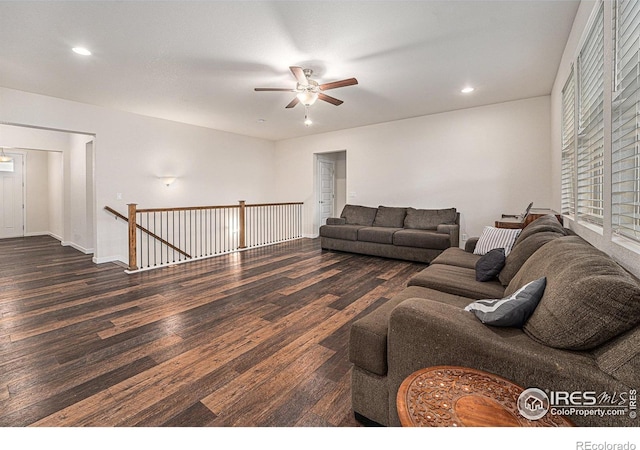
(43, 233)
(108, 259)
(86, 251)
(311, 236)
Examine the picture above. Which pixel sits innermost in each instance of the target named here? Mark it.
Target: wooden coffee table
(449, 396)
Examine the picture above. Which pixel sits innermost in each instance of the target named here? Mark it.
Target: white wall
(55, 167)
(624, 251)
(132, 152)
(484, 161)
(36, 193)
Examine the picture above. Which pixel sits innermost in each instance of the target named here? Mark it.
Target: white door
(327, 183)
(11, 198)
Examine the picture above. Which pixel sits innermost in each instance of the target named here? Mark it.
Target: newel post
(133, 257)
(243, 231)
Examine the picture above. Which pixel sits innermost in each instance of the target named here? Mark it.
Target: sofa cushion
(589, 298)
(457, 281)
(547, 223)
(346, 232)
(368, 335)
(390, 217)
(359, 215)
(492, 237)
(490, 264)
(522, 251)
(455, 256)
(429, 219)
(422, 239)
(381, 235)
(511, 311)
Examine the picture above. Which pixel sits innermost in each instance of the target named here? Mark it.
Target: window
(568, 146)
(625, 155)
(590, 153)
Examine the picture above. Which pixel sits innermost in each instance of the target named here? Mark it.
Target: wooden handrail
(153, 235)
(198, 208)
(209, 233)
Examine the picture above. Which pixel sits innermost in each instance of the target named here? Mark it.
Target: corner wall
(484, 161)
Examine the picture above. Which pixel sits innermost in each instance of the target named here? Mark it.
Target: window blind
(590, 153)
(568, 146)
(625, 164)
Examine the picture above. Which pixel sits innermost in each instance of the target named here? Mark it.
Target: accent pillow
(493, 237)
(512, 311)
(490, 264)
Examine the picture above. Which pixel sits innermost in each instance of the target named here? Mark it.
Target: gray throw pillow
(512, 311)
(490, 264)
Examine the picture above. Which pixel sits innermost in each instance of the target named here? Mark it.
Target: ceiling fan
(308, 90)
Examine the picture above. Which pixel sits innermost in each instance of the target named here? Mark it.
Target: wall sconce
(168, 181)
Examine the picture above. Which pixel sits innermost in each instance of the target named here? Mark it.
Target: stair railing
(159, 237)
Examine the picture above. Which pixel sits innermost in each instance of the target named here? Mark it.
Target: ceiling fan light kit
(308, 90)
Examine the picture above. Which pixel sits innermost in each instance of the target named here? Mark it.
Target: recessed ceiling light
(81, 51)
(262, 120)
(467, 90)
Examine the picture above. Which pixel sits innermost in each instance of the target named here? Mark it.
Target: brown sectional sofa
(401, 233)
(583, 335)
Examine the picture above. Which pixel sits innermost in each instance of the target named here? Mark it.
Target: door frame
(321, 160)
(23, 156)
(322, 156)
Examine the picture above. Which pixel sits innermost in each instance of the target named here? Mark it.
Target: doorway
(331, 185)
(58, 193)
(12, 196)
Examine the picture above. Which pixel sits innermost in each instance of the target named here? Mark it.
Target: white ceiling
(198, 61)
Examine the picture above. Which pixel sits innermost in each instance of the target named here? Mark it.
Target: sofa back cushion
(548, 222)
(589, 298)
(359, 215)
(390, 217)
(523, 251)
(429, 219)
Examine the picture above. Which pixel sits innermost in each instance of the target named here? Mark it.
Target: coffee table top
(460, 396)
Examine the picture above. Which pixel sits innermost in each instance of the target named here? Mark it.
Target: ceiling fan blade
(293, 102)
(338, 84)
(298, 72)
(326, 98)
(276, 89)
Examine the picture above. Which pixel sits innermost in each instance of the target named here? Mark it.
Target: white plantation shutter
(591, 124)
(568, 146)
(625, 165)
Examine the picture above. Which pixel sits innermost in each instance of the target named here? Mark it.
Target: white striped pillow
(493, 237)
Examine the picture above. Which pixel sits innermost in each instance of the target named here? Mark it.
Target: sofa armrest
(336, 221)
(425, 333)
(470, 245)
(453, 231)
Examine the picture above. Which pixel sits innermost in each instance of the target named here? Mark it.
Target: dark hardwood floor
(258, 338)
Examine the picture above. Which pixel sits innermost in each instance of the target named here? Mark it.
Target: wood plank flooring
(258, 338)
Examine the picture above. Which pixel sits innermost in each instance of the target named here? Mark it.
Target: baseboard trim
(86, 251)
(108, 259)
